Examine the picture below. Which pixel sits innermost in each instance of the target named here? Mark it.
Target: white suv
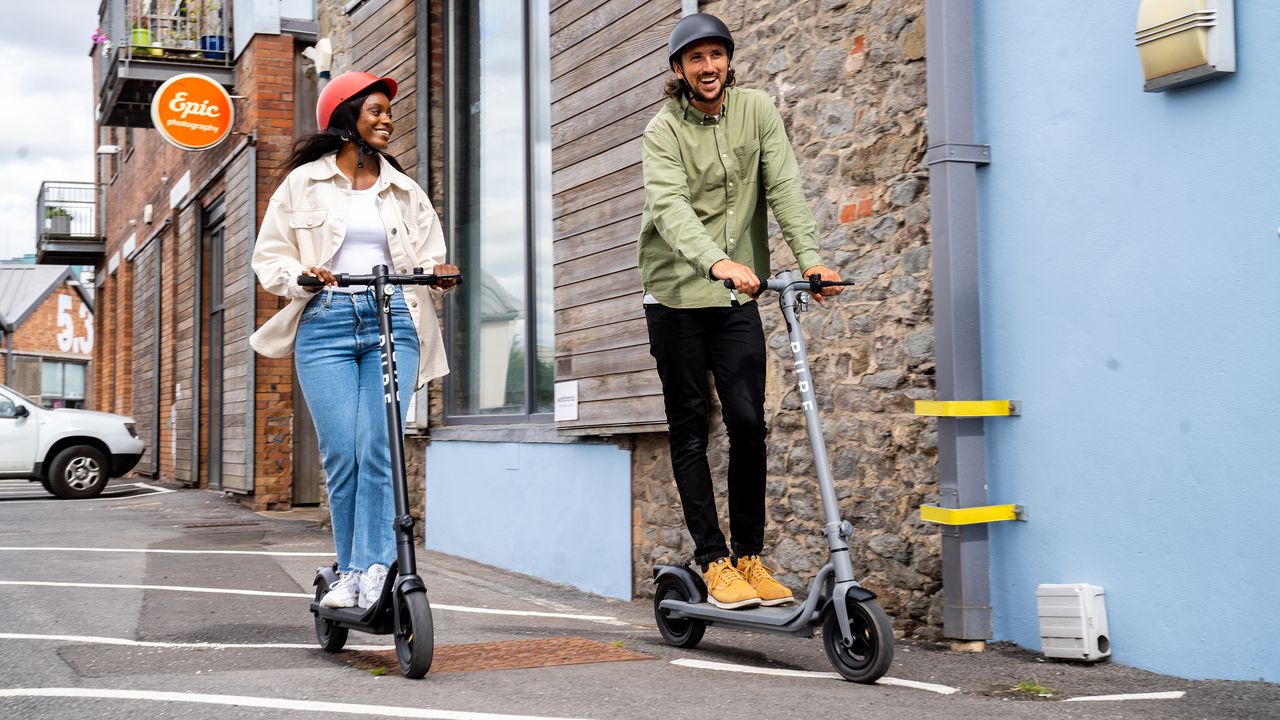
(71, 452)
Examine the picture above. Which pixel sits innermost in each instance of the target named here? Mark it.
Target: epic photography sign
(192, 111)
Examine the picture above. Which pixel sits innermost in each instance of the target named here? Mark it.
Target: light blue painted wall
(557, 511)
(1131, 301)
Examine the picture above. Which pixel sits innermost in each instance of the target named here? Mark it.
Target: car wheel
(78, 472)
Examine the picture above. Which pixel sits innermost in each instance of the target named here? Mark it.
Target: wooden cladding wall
(607, 63)
(145, 323)
(383, 43)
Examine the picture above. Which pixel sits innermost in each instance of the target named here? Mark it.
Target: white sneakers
(371, 582)
(356, 589)
(343, 593)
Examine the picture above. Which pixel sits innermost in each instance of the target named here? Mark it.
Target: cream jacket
(305, 224)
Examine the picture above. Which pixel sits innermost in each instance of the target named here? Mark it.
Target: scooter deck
(786, 619)
(373, 620)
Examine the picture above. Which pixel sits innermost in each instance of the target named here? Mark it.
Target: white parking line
(95, 640)
(36, 548)
(265, 702)
(603, 619)
(728, 667)
(1171, 695)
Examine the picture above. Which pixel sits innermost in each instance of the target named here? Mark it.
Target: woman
(345, 207)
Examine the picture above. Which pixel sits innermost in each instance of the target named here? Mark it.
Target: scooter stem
(833, 528)
(403, 521)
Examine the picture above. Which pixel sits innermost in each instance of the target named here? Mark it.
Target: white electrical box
(1073, 621)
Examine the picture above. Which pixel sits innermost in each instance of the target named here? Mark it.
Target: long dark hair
(342, 129)
(674, 87)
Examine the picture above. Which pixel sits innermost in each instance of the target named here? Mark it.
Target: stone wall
(849, 80)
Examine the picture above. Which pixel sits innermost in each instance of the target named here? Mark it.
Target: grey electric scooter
(856, 633)
(402, 609)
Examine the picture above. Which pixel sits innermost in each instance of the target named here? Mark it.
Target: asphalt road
(102, 619)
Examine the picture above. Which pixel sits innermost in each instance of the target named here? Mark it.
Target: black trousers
(728, 342)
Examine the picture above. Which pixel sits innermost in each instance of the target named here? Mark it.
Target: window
(62, 384)
(500, 322)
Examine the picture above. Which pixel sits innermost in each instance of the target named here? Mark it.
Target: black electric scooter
(402, 608)
(856, 633)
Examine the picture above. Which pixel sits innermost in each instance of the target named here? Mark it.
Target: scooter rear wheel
(682, 632)
(331, 636)
(415, 636)
(868, 659)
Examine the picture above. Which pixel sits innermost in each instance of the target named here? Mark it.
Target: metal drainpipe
(952, 157)
(6, 335)
(252, 311)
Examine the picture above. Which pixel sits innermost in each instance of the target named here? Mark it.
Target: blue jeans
(340, 369)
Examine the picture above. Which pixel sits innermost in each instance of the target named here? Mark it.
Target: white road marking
(111, 493)
(604, 619)
(174, 588)
(94, 640)
(15, 548)
(1171, 695)
(265, 702)
(728, 667)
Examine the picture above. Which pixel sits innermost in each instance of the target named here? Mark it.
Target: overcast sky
(46, 90)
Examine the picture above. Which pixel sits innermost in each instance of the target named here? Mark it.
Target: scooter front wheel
(682, 632)
(871, 653)
(415, 635)
(331, 636)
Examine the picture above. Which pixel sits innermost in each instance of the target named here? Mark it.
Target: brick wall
(144, 173)
(39, 332)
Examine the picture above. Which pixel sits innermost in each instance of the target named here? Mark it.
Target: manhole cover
(507, 655)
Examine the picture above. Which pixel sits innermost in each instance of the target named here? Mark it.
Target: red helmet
(343, 88)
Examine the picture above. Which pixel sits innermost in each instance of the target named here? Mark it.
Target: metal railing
(180, 31)
(66, 211)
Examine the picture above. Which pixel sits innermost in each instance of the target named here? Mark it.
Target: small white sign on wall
(567, 400)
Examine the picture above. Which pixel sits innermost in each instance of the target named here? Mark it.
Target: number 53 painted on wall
(68, 341)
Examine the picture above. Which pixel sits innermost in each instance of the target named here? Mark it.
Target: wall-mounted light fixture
(1181, 42)
(108, 150)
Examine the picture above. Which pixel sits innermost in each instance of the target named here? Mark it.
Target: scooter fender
(691, 580)
(327, 574)
(410, 583)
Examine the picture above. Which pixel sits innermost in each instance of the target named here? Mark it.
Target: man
(713, 156)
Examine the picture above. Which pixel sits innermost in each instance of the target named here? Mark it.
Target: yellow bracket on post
(970, 516)
(967, 408)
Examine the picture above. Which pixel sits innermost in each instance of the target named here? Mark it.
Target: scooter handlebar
(814, 282)
(347, 280)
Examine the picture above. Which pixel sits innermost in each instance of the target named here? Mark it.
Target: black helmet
(695, 27)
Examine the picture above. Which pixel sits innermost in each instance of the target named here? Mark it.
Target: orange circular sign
(192, 111)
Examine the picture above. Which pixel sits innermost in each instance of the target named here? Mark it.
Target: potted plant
(59, 220)
(213, 43)
(140, 38)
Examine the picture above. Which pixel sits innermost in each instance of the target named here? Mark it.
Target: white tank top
(365, 244)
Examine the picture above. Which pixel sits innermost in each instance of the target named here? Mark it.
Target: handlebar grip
(308, 281)
(729, 283)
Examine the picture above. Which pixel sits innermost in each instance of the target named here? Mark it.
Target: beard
(696, 91)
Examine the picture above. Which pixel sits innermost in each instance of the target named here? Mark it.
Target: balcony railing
(149, 41)
(66, 225)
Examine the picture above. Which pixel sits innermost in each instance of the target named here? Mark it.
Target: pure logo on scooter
(802, 375)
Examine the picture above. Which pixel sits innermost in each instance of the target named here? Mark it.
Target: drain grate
(506, 655)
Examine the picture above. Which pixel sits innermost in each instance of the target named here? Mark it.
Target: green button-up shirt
(708, 184)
